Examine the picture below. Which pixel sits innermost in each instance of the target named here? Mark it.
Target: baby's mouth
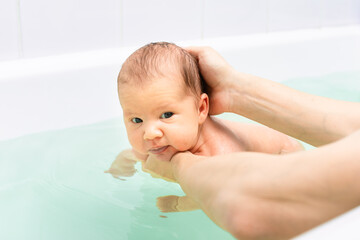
(158, 150)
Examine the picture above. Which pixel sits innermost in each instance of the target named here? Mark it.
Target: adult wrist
(238, 91)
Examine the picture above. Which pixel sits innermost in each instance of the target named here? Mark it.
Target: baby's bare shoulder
(231, 136)
(260, 138)
(248, 132)
(237, 127)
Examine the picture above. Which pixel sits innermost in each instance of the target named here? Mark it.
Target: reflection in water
(172, 203)
(124, 166)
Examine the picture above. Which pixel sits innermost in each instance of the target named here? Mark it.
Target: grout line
(19, 30)
(202, 20)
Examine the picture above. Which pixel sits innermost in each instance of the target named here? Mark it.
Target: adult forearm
(259, 195)
(312, 119)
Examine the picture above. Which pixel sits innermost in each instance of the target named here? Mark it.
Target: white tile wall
(161, 20)
(234, 17)
(8, 30)
(51, 27)
(294, 14)
(55, 27)
(341, 12)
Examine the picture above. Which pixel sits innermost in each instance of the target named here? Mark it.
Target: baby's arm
(259, 138)
(123, 165)
(140, 156)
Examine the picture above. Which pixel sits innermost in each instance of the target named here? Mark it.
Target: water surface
(52, 184)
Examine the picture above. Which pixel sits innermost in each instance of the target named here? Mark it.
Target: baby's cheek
(183, 137)
(187, 142)
(137, 145)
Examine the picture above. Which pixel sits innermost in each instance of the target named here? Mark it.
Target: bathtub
(42, 93)
(60, 92)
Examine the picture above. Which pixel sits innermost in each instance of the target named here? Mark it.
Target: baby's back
(225, 136)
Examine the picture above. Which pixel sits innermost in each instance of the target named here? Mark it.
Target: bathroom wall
(33, 28)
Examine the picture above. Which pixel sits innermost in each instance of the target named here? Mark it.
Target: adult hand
(313, 119)
(257, 196)
(218, 75)
(158, 169)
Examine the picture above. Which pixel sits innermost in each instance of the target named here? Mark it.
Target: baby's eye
(167, 115)
(136, 120)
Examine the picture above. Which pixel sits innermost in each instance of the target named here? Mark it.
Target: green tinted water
(52, 184)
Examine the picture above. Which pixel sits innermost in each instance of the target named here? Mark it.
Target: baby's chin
(167, 155)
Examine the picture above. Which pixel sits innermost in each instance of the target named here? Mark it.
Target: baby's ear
(203, 107)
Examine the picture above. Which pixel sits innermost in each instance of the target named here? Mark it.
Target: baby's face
(160, 117)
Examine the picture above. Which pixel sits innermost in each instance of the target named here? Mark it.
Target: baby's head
(161, 59)
(161, 93)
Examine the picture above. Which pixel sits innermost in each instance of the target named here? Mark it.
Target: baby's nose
(152, 131)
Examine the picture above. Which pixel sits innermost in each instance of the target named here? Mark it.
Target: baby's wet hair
(160, 59)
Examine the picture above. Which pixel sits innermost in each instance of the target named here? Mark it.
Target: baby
(165, 109)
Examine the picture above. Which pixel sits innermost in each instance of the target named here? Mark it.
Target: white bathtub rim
(10, 70)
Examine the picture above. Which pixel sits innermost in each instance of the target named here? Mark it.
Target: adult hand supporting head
(313, 119)
(219, 77)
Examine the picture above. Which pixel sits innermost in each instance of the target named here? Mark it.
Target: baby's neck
(209, 136)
